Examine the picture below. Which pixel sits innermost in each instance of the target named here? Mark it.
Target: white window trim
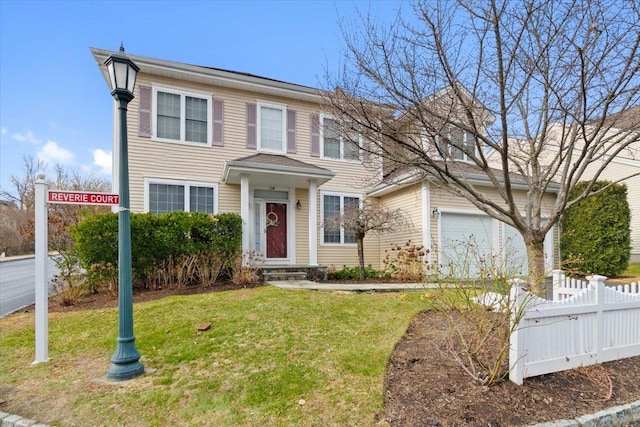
(342, 196)
(187, 193)
(283, 108)
(465, 157)
(183, 93)
(341, 159)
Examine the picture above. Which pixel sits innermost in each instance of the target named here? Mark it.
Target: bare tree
(22, 192)
(535, 83)
(369, 216)
(61, 217)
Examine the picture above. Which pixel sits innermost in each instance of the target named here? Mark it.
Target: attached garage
(514, 252)
(466, 244)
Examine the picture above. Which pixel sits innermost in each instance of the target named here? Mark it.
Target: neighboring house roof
(627, 119)
(274, 169)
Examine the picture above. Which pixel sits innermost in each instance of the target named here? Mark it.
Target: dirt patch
(425, 387)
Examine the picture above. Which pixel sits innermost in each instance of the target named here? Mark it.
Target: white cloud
(52, 153)
(26, 137)
(102, 159)
(3, 131)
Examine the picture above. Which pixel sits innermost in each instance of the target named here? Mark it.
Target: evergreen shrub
(156, 238)
(596, 234)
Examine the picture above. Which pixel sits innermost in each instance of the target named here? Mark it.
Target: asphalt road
(17, 287)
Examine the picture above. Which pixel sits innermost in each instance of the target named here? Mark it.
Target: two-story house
(211, 140)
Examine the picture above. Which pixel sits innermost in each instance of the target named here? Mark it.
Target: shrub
(173, 246)
(352, 273)
(595, 231)
(477, 313)
(246, 268)
(406, 263)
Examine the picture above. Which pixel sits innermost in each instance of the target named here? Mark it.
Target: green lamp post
(125, 363)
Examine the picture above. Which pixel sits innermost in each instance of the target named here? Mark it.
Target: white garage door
(515, 252)
(465, 244)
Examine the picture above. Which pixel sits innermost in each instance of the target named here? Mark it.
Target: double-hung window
(336, 204)
(336, 145)
(174, 195)
(452, 140)
(181, 116)
(272, 127)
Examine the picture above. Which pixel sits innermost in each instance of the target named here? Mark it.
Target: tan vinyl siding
(410, 201)
(156, 159)
(149, 159)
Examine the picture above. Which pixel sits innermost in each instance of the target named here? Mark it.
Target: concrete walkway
(351, 287)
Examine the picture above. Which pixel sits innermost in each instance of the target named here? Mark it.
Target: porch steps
(293, 272)
(284, 275)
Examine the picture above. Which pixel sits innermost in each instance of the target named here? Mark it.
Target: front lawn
(272, 357)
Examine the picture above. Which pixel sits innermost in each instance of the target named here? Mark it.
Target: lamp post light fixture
(125, 363)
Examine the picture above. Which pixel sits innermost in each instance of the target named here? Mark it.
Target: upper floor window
(337, 204)
(181, 116)
(272, 127)
(335, 145)
(452, 139)
(173, 195)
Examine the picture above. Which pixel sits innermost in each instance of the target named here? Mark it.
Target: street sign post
(43, 196)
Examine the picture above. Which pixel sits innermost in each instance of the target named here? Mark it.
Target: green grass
(633, 270)
(631, 274)
(266, 350)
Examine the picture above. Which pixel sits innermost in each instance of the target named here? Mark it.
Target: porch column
(244, 211)
(313, 222)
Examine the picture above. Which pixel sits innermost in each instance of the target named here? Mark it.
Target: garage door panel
(515, 252)
(465, 244)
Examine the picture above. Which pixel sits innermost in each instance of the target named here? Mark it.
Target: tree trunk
(535, 256)
(361, 256)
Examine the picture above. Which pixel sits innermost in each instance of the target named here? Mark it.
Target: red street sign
(82, 198)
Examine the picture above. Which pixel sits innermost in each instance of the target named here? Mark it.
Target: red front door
(276, 216)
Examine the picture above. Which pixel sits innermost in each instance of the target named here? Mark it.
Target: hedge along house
(211, 140)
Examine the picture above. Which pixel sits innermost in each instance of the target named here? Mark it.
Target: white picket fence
(565, 287)
(588, 323)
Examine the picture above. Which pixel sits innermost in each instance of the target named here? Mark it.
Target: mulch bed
(425, 387)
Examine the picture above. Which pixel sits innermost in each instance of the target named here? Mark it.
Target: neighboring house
(627, 164)
(211, 140)
(624, 167)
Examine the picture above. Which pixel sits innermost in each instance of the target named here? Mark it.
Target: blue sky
(55, 105)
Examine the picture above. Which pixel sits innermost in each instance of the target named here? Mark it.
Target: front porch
(271, 210)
